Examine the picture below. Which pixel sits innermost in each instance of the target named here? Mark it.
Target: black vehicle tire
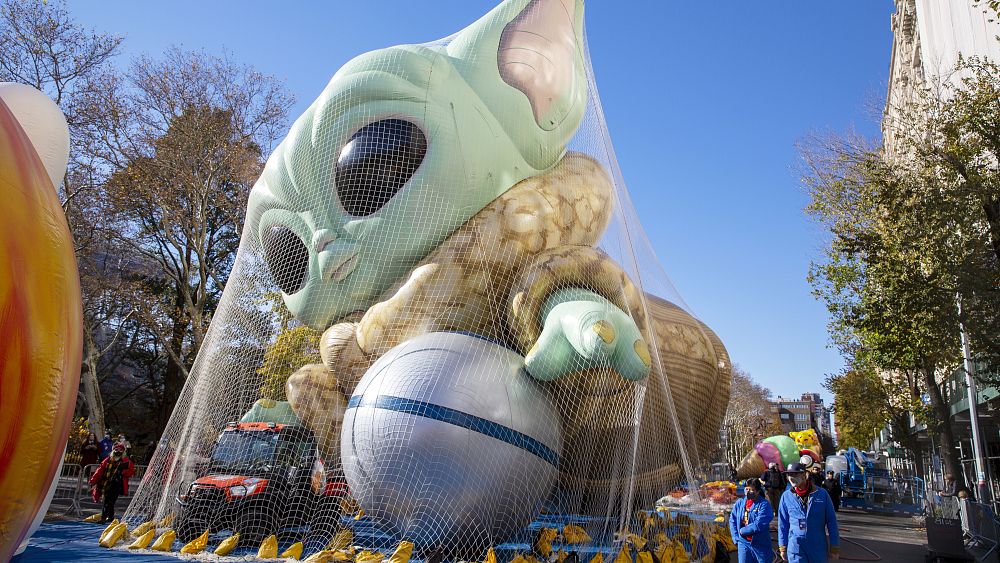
(325, 521)
(255, 525)
(189, 526)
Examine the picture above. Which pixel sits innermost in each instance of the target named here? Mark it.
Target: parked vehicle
(261, 477)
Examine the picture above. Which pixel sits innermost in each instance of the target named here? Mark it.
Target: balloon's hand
(581, 331)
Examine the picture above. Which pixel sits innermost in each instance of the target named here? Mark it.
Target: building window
(801, 416)
(785, 416)
(801, 426)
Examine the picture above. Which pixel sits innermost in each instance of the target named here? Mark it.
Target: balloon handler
(749, 524)
(111, 480)
(805, 515)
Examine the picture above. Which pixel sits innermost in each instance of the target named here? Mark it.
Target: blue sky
(704, 102)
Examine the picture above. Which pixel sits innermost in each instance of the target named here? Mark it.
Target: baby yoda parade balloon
(468, 186)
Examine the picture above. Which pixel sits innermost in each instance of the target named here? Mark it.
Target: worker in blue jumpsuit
(804, 517)
(749, 524)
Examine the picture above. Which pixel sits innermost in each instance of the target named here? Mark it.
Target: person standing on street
(816, 474)
(90, 450)
(106, 444)
(775, 483)
(749, 525)
(111, 480)
(805, 516)
(832, 486)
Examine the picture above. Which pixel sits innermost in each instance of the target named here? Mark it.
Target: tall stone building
(928, 38)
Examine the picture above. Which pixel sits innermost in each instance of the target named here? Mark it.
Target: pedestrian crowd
(805, 505)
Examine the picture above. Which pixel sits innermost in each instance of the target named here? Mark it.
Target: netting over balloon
(445, 324)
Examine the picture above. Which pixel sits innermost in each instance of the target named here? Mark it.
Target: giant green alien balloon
(429, 188)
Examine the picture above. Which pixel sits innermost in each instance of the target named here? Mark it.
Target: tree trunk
(918, 459)
(90, 388)
(992, 210)
(947, 435)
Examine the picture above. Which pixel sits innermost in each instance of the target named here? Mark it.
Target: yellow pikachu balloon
(807, 440)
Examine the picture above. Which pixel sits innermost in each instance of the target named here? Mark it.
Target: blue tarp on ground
(63, 541)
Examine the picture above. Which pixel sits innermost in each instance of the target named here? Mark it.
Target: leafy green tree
(911, 236)
(865, 402)
(294, 346)
(748, 417)
(42, 46)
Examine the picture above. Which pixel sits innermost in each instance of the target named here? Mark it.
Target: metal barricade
(982, 528)
(70, 481)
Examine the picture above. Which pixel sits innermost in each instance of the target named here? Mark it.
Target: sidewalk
(868, 537)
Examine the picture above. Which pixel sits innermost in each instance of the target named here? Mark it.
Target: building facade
(929, 37)
(807, 411)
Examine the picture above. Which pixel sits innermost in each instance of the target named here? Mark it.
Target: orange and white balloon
(40, 309)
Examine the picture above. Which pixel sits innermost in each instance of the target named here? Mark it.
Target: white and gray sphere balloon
(448, 443)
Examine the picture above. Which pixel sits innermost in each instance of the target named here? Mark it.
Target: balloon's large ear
(525, 59)
(43, 123)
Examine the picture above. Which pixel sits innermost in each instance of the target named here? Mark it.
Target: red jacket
(97, 479)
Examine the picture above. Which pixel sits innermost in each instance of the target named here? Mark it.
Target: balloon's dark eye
(376, 162)
(287, 258)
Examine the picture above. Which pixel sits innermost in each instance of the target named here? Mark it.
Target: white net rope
(445, 324)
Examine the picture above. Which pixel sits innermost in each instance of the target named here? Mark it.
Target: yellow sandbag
(643, 557)
(228, 544)
(543, 543)
(196, 545)
(115, 535)
(325, 556)
(343, 555)
(107, 530)
(624, 556)
(491, 556)
(402, 553)
(165, 542)
(369, 557)
(166, 521)
(268, 548)
(294, 551)
(726, 539)
(597, 558)
(575, 534)
(680, 554)
(96, 517)
(361, 512)
(348, 505)
(143, 528)
(142, 542)
(342, 540)
(524, 558)
(637, 541)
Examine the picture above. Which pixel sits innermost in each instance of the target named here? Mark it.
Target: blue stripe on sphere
(460, 419)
